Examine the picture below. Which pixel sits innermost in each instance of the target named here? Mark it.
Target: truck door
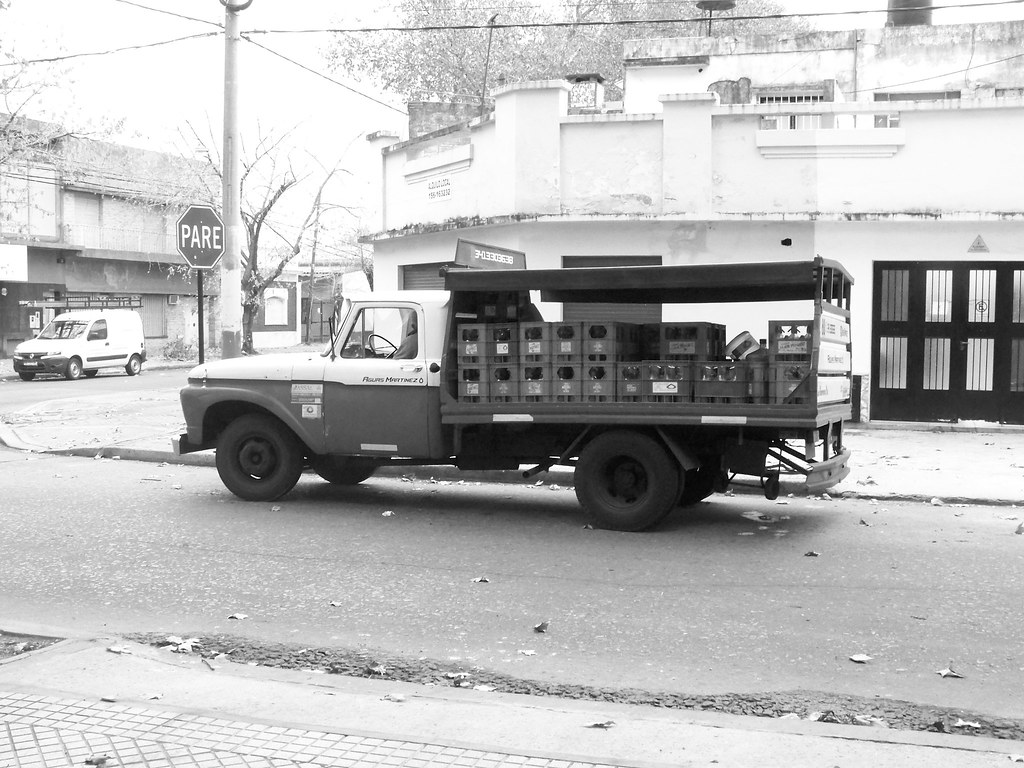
(375, 391)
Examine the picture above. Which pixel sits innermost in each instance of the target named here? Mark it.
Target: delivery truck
(650, 416)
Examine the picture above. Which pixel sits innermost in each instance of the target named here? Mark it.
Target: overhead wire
(615, 22)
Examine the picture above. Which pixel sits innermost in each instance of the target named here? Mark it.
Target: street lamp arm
(235, 8)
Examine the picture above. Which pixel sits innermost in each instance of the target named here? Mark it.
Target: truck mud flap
(181, 445)
(825, 474)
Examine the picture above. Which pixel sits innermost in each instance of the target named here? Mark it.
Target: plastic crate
(566, 342)
(501, 307)
(739, 381)
(502, 383)
(667, 381)
(535, 382)
(611, 342)
(691, 341)
(790, 339)
(629, 382)
(790, 383)
(567, 385)
(535, 342)
(473, 382)
(599, 379)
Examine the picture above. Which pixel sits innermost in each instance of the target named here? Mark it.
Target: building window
(275, 308)
(917, 95)
(790, 122)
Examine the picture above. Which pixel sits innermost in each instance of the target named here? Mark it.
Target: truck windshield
(63, 329)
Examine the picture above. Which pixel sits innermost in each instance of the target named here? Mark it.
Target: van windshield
(63, 329)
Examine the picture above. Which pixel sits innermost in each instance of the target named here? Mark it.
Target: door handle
(411, 368)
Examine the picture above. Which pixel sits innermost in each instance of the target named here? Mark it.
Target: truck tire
(343, 470)
(627, 481)
(259, 458)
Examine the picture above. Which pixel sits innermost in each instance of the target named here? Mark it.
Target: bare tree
(268, 176)
(437, 57)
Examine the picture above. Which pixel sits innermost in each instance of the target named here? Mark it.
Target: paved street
(725, 600)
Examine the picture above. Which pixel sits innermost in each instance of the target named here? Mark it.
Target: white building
(896, 151)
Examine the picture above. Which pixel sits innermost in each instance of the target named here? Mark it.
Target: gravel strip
(807, 705)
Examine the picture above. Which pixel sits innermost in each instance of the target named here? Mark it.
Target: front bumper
(40, 365)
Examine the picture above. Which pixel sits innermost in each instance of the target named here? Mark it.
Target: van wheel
(90, 374)
(26, 375)
(73, 370)
(259, 458)
(627, 481)
(343, 470)
(134, 366)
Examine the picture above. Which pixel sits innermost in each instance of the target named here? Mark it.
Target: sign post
(200, 239)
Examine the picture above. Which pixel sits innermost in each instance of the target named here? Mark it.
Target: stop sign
(200, 236)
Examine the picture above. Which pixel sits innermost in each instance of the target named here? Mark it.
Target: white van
(84, 342)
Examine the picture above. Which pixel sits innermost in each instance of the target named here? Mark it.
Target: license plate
(30, 364)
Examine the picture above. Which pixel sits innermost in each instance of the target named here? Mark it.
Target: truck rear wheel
(258, 458)
(627, 481)
(343, 470)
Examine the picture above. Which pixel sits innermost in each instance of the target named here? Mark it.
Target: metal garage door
(154, 315)
(626, 313)
(420, 277)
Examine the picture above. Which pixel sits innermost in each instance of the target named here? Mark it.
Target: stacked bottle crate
(679, 354)
(487, 364)
(567, 361)
(666, 381)
(789, 361)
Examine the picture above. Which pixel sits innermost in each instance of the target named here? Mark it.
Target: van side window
(98, 332)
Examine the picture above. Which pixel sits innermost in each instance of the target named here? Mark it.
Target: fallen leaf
(870, 720)
(937, 502)
(108, 699)
(239, 616)
(380, 669)
(542, 627)
(789, 716)
(336, 603)
(1020, 529)
(97, 760)
(387, 513)
(528, 653)
(395, 697)
(606, 724)
(152, 696)
(276, 508)
(860, 658)
(121, 649)
(213, 667)
(485, 688)
(947, 672)
(588, 527)
(865, 522)
(1016, 758)
(811, 553)
(481, 580)
(960, 723)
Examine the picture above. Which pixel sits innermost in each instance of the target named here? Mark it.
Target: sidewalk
(78, 701)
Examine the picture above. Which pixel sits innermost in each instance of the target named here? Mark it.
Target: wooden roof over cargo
(691, 283)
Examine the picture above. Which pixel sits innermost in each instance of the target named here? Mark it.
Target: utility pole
(231, 272)
(487, 64)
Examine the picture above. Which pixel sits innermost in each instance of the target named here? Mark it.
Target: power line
(325, 77)
(612, 22)
(170, 13)
(141, 46)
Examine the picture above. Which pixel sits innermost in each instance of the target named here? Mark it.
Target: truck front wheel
(258, 458)
(627, 481)
(343, 470)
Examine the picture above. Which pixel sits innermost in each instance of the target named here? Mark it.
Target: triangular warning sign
(978, 246)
